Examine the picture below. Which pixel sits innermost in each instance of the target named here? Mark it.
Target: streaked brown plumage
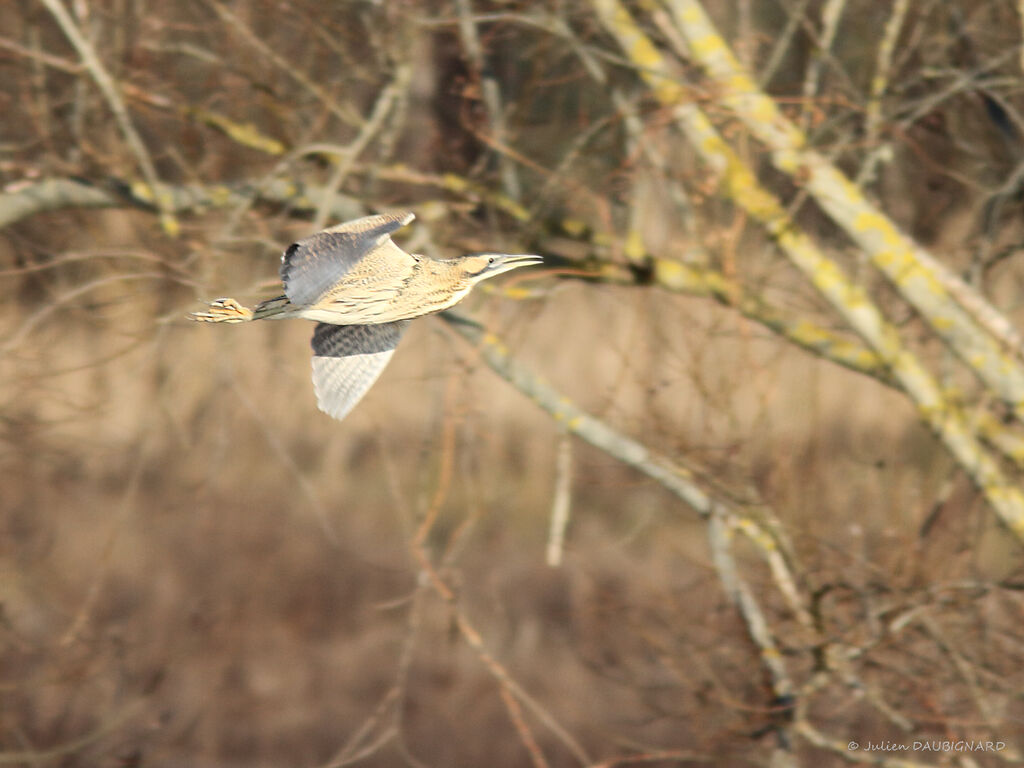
(362, 290)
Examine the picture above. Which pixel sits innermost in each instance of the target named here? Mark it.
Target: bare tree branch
(106, 85)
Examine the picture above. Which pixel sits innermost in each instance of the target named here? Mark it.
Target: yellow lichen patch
(680, 277)
(791, 162)
(745, 190)
(827, 277)
(248, 135)
(901, 269)
(866, 221)
(691, 14)
(864, 358)
(1006, 364)
(715, 282)
(707, 46)
(884, 259)
(220, 195)
(893, 237)
(930, 279)
(829, 181)
(512, 208)
(764, 111)
(666, 91)
(739, 86)
(1011, 502)
(634, 246)
(495, 344)
(641, 51)
(170, 225)
(878, 84)
(574, 227)
(165, 199)
(454, 183)
(930, 413)
(141, 191)
(669, 273)
(244, 133)
(869, 220)
(639, 48)
(756, 534)
(713, 148)
(509, 292)
(807, 332)
(954, 396)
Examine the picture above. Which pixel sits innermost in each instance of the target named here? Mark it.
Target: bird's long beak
(503, 262)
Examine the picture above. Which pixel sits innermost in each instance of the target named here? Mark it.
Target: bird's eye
(490, 259)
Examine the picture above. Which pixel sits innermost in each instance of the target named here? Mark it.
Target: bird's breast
(363, 302)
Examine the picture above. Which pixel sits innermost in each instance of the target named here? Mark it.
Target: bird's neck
(441, 284)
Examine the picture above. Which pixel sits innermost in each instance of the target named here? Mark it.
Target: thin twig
(345, 113)
(879, 85)
(957, 312)
(782, 43)
(111, 723)
(367, 131)
(671, 475)
(830, 15)
(515, 713)
(491, 94)
(863, 222)
(278, 446)
(561, 499)
(107, 86)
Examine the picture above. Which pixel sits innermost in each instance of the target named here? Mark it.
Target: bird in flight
(362, 290)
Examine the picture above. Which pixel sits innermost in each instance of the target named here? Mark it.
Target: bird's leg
(276, 307)
(224, 311)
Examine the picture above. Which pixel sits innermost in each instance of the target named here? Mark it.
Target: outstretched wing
(347, 359)
(312, 266)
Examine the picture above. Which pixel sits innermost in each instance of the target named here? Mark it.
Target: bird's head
(481, 266)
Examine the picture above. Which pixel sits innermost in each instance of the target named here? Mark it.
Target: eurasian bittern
(362, 290)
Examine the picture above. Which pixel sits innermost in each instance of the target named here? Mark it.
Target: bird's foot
(223, 311)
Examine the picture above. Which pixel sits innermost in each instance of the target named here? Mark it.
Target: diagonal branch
(22, 200)
(695, 280)
(109, 90)
(975, 330)
(849, 300)
(724, 519)
(491, 95)
(343, 112)
(369, 129)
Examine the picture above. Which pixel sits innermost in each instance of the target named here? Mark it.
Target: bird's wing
(347, 359)
(312, 266)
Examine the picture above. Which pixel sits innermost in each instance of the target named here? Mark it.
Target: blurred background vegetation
(735, 531)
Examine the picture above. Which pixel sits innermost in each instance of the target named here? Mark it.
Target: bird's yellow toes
(223, 310)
